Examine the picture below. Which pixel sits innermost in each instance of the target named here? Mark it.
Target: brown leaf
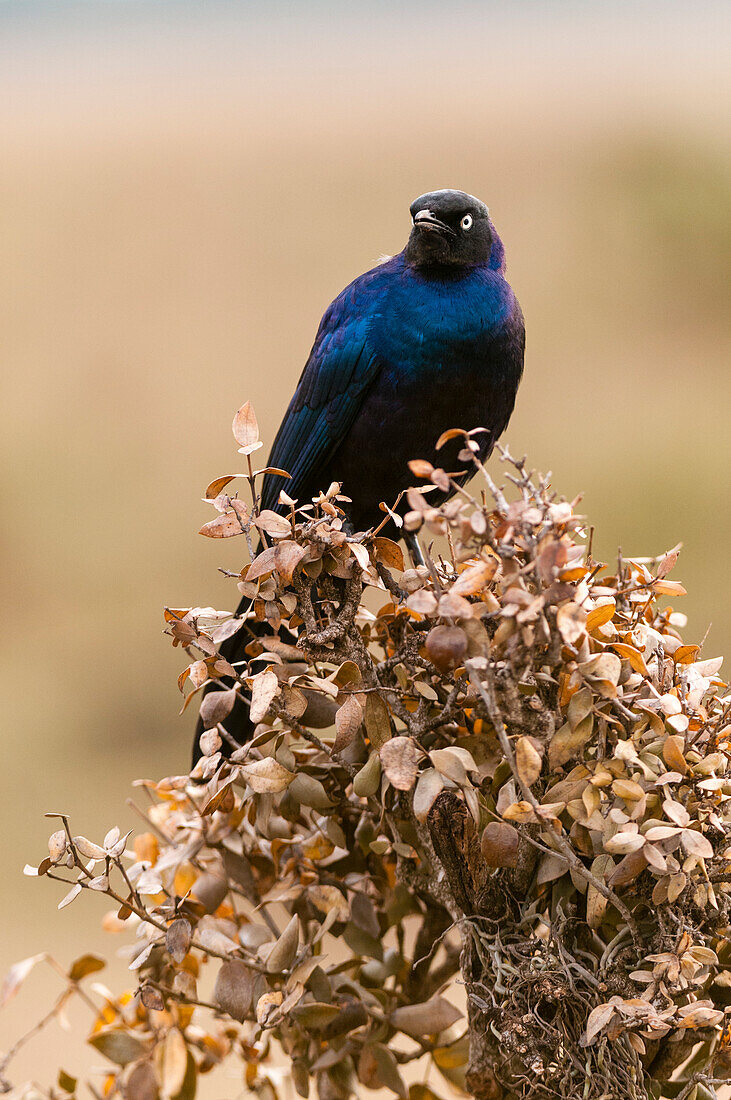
(284, 951)
(142, 1083)
(389, 553)
(696, 844)
(235, 989)
(220, 483)
(672, 753)
(245, 427)
(599, 616)
(428, 787)
(216, 706)
(420, 467)
(669, 588)
(628, 869)
(329, 899)
(219, 799)
(16, 975)
(118, 1045)
(171, 1060)
(264, 687)
(274, 524)
(686, 654)
(377, 1068)
(266, 776)
(635, 658)
(528, 759)
(598, 1019)
(222, 527)
(667, 562)
(287, 556)
(152, 998)
(429, 1018)
(453, 763)
(567, 742)
(86, 964)
(571, 622)
(474, 578)
(400, 758)
(263, 563)
(178, 939)
(377, 720)
(348, 720)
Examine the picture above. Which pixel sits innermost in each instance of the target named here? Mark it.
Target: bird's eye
(466, 222)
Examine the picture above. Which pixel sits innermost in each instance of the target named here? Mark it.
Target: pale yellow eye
(466, 222)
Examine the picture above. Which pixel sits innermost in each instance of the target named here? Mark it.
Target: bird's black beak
(425, 220)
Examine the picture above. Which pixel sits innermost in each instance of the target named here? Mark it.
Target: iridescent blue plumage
(404, 352)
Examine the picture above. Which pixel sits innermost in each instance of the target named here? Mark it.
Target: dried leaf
(528, 759)
(329, 899)
(274, 524)
(266, 776)
(429, 785)
(264, 687)
(377, 720)
(245, 427)
(84, 965)
(235, 988)
(171, 1062)
(599, 616)
(400, 759)
(262, 564)
(428, 1018)
(216, 707)
(287, 556)
(348, 720)
(284, 951)
(598, 1019)
(454, 763)
(178, 939)
(222, 527)
(475, 577)
(118, 1045)
(389, 553)
(16, 975)
(571, 622)
(668, 561)
(696, 844)
(567, 742)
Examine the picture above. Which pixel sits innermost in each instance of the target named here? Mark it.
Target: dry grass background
(183, 189)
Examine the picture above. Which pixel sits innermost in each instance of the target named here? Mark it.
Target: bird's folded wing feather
(329, 394)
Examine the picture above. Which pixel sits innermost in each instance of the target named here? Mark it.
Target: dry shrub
(503, 766)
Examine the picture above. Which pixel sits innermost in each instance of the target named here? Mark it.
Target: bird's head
(450, 229)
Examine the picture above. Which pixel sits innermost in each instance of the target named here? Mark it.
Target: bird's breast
(430, 325)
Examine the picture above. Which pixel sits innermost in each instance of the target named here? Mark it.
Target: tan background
(183, 189)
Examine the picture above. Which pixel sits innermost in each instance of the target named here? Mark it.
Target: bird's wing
(340, 369)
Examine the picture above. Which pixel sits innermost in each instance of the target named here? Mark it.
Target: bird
(431, 339)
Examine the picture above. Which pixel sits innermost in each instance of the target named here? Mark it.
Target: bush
(480, 829)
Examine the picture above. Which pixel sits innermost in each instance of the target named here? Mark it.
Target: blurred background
(184, 187)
